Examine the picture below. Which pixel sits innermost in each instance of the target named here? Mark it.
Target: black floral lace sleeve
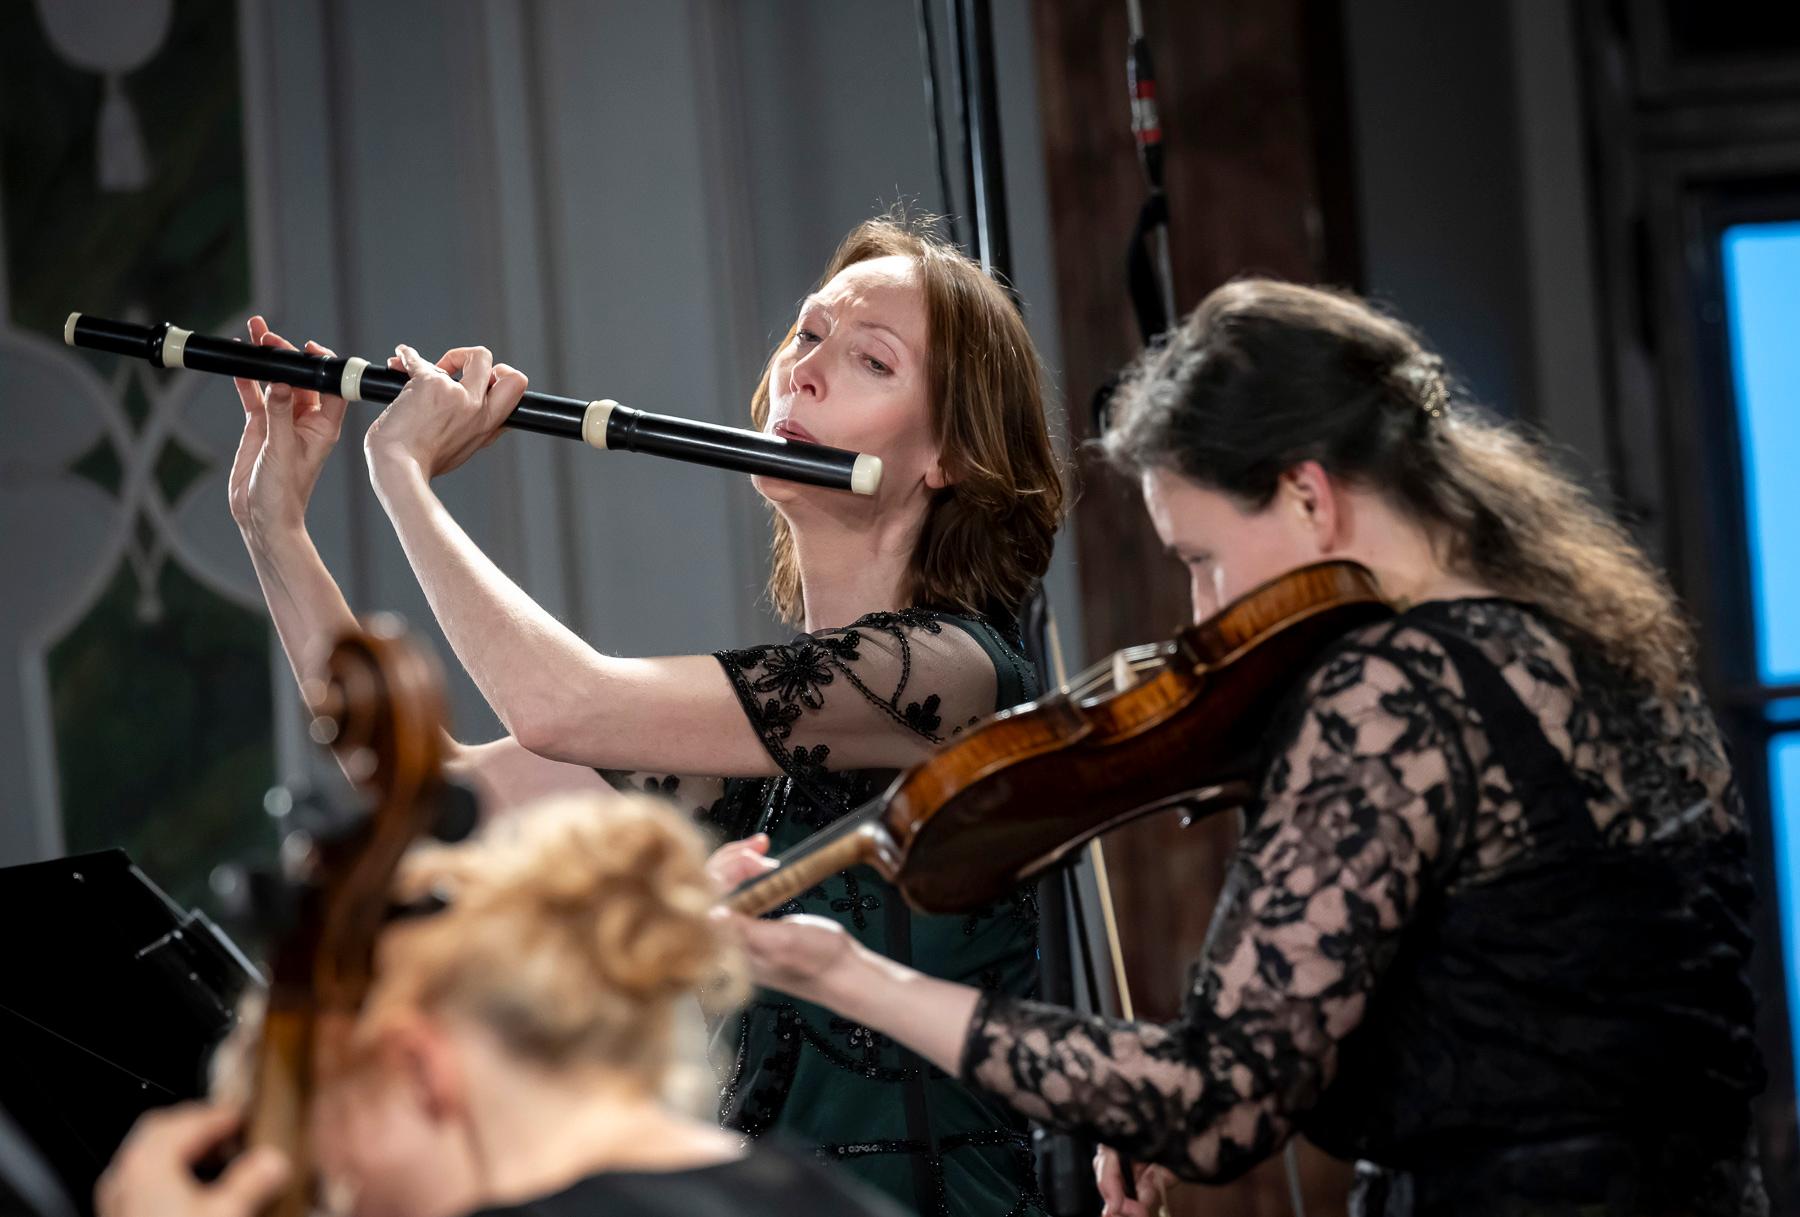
(695, 794)
(1355, 810)
(877, 694)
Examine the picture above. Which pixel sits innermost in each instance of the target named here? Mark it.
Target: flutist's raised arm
(288, 434)
(842, 697)
(557, 695)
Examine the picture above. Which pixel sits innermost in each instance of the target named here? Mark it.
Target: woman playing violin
(512, 1054)
(1486, 928)
(906, 350)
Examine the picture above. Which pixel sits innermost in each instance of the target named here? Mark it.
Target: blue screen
(1762, 303)
(1784, 792)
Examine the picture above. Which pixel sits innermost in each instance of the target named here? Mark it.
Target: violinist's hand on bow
(796, 955)
(437, 423)
(288, 433)
(152, 1175)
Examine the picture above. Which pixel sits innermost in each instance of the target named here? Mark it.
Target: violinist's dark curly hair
(1264, 375)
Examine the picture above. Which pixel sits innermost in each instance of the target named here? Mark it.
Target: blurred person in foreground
(513, 1054)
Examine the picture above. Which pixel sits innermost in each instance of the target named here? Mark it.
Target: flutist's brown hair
(987, 536)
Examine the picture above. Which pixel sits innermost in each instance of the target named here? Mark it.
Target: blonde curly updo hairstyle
(569, 931)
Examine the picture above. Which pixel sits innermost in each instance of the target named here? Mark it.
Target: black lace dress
(840, 711)
(1486, 928)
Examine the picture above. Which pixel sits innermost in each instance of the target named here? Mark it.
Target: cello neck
(858, 838)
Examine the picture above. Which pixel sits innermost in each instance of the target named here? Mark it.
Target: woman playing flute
(1487, 927)
(908, 351)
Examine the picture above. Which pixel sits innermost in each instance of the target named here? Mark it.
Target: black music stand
(27, 1188)
(112, 998)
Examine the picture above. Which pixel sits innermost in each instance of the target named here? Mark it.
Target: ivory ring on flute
(594, 420)
(350, 383)
(865, 474)
(174, 347)
(69, 329)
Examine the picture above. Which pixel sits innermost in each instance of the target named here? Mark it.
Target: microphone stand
(1067, 975)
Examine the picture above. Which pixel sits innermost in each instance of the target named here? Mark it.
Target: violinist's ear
(1308, 491)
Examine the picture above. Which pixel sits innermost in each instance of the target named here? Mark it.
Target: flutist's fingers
(437, 422)
(506, 386)
(250, 444)
(249, 394)
(484, 384)
(250, 391)
(279, 407)
(331, 406)
(476, 365)
(305, 400)
(509, 385)
(258, 327)
(412, 363)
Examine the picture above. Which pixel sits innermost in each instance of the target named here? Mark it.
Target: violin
(1011, 796)
(381, 708)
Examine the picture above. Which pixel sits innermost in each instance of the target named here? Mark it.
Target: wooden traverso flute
(603, 424)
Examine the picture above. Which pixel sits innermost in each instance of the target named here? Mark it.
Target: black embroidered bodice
(1494, 894)
(840, 711)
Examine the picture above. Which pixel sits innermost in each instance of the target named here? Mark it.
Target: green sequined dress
(840, 711)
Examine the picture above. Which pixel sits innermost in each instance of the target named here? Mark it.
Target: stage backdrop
(626, 200)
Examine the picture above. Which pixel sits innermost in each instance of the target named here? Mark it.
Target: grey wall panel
(637, 316)
(1438, 189)
(1473, 199)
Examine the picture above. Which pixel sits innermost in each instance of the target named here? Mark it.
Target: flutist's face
(855, 375)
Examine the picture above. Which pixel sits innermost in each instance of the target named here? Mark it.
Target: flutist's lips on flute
(856, 365)
(787, 428)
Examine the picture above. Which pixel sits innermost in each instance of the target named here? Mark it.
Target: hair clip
(434, 901)
(1436, 399)
(1423, 377)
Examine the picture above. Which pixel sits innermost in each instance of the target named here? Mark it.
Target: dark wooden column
(1253, 111)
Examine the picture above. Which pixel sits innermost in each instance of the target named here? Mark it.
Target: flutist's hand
(438, 423)
(288, 433)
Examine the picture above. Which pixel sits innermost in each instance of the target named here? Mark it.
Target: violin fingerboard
(800, 872)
